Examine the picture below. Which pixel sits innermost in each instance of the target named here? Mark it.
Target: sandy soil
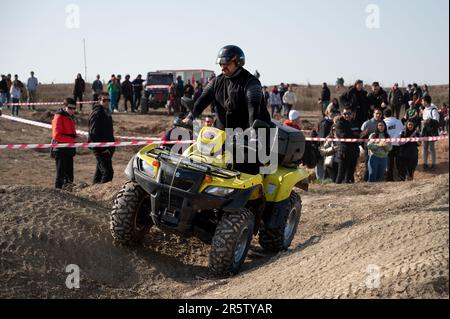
(402, 228)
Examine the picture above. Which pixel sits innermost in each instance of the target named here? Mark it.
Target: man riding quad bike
(202, 192)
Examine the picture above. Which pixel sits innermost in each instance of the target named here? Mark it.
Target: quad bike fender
(278, 186)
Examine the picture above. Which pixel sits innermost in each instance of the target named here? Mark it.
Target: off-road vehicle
(156, 91)
(199, 194)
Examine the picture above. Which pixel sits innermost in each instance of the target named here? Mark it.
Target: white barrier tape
(136, 143)
(44, 103)
(90, 145)
(49, 126)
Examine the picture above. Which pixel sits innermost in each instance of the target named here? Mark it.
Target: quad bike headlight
(148, 169)
(218, 191)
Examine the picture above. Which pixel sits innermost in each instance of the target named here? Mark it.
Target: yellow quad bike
(200, 195)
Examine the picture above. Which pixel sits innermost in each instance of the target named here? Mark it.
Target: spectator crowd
(356, 113)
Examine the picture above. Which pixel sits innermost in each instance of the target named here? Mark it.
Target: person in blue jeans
(378, 153)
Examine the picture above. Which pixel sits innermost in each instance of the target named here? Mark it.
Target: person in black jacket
(127, 91)
(101, 130)
(348, 153)
(408, 154)
(236, 93)
(137, 91)
(325, 97)
(378, 98)
(356, 99)
(78, 90)
(237, 97)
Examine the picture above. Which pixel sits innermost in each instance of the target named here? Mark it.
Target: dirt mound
(44, 230)
(398, 229)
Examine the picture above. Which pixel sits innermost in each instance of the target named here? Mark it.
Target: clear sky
(294, 41)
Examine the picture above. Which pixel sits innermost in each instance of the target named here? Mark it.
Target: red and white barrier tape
(388, 140)
(158, 142)
(49, 126)
(89, 145)
(44, 103)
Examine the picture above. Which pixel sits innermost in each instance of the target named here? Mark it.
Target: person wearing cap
(356, 99)
(412, 113)
(395, 100)
(64, 131)
(348, 153)
(294, 120)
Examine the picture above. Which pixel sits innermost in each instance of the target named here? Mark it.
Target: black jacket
(325, 127)
(127, 88)
(326, 94)
(359, 103)
(79, 87)
(410, 149)
(396, 97)
(101, 127)
(344, 129)
(238, 100)
(376, 100)
(3, 86)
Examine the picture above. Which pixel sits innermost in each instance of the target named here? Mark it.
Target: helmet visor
(223, 60)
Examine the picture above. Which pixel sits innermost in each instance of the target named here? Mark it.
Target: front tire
(130, 215)
(231, 242)
(280, 238)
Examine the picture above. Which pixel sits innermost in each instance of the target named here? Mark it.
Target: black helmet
(230, 52)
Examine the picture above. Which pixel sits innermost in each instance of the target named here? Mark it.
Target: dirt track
(402, 228)
(342, 232)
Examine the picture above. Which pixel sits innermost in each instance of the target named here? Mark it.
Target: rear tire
(130, 215)
(280, 238)
(231, 242)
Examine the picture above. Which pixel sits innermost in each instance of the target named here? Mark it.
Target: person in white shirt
(430, 127)
(32, 85)
(289, 99)
(395, 128)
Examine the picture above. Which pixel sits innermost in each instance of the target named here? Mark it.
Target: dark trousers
(287, 109)
(137, 100)
(392, 159)
(79, 97)
(126, 100)
(346, 168)
(104, 172)
(406, 167)
(397, 109)
(332, 171)
(64, 169)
